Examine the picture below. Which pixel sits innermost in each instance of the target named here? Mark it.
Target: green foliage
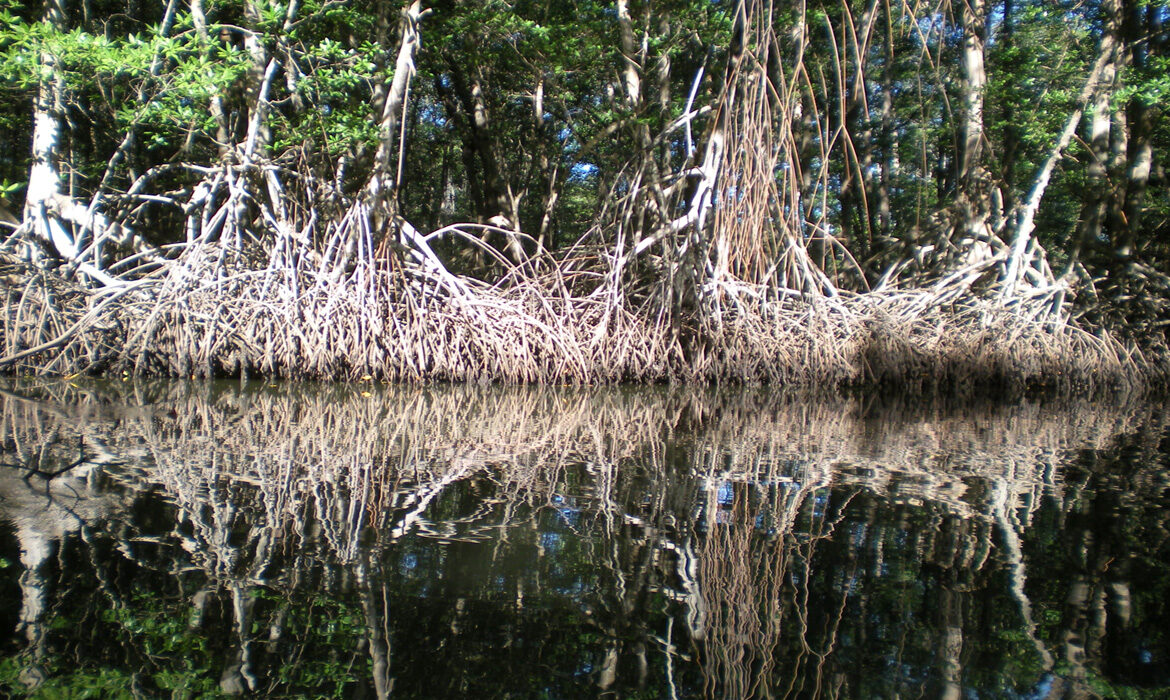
(1148, 84)
(80, 684)
(7, 190)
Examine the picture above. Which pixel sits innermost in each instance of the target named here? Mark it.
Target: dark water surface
(204, 539)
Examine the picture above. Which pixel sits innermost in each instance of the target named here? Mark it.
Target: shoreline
(372, 322)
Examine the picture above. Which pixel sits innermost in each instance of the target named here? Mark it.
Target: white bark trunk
(393, 108)
(633, 78)
(56, 218)
(44, 197)
(1026, 223)
(975, 79)
(260, 73)
(199, 19)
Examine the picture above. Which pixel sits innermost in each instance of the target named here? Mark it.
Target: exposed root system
(371, 319)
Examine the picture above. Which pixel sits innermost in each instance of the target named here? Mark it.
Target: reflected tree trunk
(371, 589)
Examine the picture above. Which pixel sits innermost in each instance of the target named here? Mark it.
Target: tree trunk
(715, 155)
(1026, 212)
(258, 79)
(1098, 191)
(218, 114)
(1010, 149)
(549, 171)
(1140, 118)
(973, 205)
(887, 136)
(465, 97)
(858, 214)
(970, 157)
(382, 189)
(44, 199)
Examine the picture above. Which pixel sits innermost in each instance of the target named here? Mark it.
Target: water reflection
(447, 541)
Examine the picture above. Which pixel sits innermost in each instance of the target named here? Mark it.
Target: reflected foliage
(212, 539)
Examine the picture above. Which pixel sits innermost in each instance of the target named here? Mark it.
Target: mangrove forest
(831, 192)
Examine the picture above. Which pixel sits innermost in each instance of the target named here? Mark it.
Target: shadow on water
(203, 539)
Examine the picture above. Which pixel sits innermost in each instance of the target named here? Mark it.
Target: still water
(194, 540)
